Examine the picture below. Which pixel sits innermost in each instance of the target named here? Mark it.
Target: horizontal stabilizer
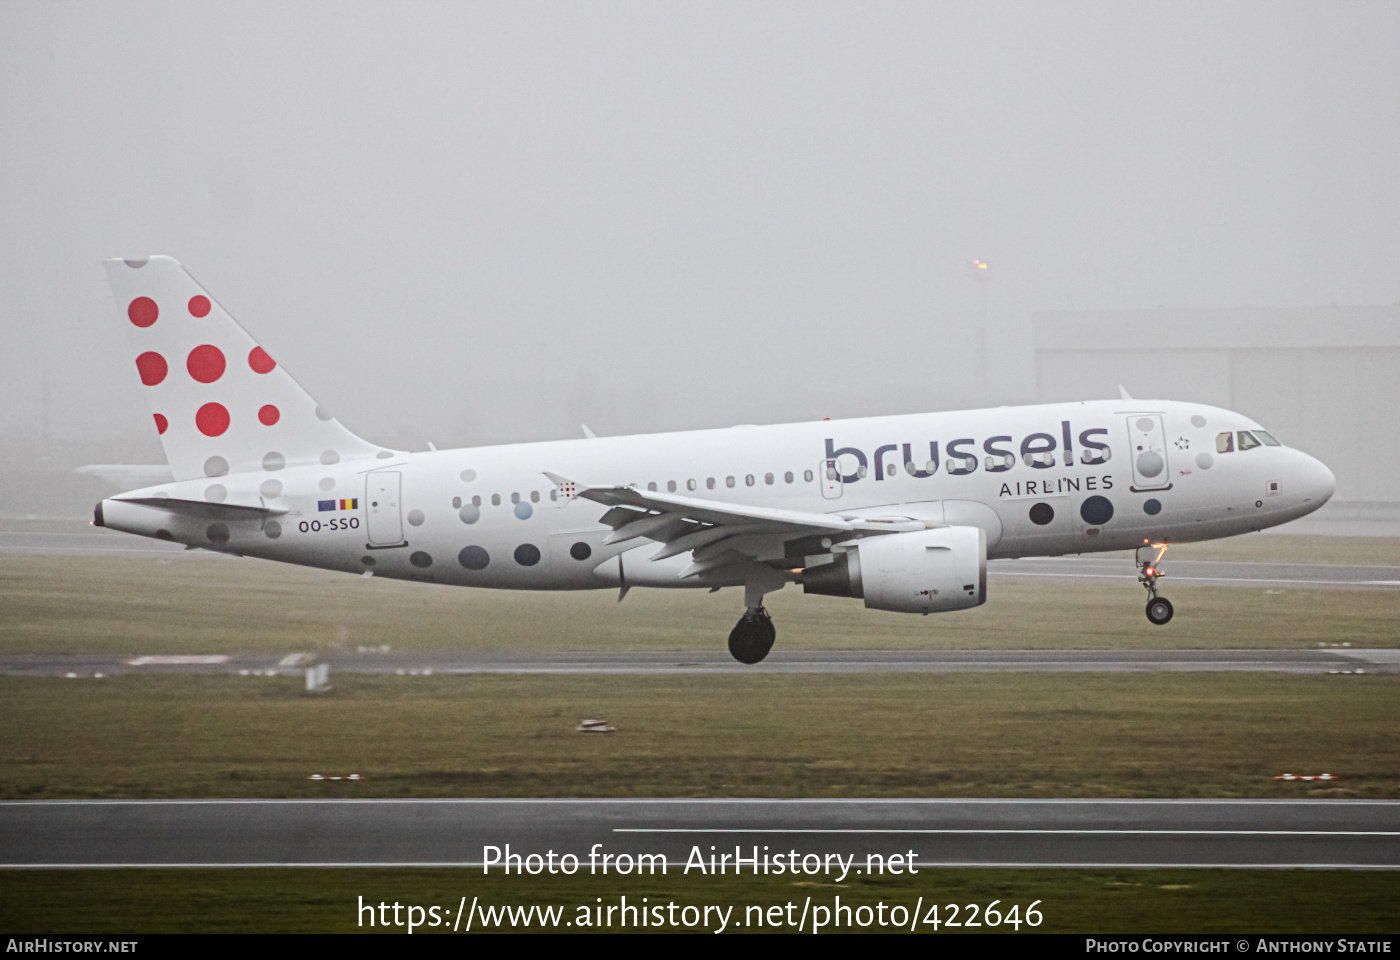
(205, 510)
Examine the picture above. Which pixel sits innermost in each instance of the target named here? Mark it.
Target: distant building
(1323, 379)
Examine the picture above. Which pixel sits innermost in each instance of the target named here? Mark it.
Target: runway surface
(983, 833)
(1331, 660)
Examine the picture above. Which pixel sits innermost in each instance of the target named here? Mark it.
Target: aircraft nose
(1317, 480)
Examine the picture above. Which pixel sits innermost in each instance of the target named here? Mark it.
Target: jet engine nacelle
(928, 571)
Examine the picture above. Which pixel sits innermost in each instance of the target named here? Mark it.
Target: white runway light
(595, 726)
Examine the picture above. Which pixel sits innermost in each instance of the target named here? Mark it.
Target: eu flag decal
(324, 505)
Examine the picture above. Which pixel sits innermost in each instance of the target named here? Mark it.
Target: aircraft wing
(719, 533)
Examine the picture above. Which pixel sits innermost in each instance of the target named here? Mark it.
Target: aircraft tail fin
(221, 404)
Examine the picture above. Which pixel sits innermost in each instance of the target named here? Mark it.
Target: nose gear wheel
(1149, 560)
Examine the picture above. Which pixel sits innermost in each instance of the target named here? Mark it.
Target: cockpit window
(1225, 442)
(1266, 438)
(1247, 441)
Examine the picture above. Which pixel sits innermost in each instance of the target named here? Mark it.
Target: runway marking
(1018, 831)
(178, 660)
(476, 865)
(735, 801)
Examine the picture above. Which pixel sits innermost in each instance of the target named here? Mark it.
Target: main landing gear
(1149, 559)
(752, 637)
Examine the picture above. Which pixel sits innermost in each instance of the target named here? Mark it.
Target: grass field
(815, 735)
(203, 603)
(1070, 901)
(1031, 735)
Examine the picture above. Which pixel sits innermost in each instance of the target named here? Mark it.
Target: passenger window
(1266, 438)
(1225, 442)
(709, 483)
(748, 480)
(495, 499)
(515, 498)
(690, 484)
(456, 503)
(534, 496)
(670, 486)
(807, 475)
(651, 487)
(1247, 441)
(476, 501)
(787, 477)
(729, 481)
(554, 494)
(768, 479)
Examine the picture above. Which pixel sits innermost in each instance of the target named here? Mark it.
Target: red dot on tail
(260, 361)
(143, 311)
(161, 423)
(269, 415)
(199, 306)
(152, 367)
(212, 419)
(206, 363)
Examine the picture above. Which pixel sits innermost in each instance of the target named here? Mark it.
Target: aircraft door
(1147, 447)
(830, 475)
(382, 501)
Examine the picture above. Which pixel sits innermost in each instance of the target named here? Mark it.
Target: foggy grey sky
(487, 222)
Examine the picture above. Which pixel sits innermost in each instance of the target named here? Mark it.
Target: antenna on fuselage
(1123, 392)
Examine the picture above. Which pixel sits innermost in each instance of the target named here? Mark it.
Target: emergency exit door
(831, 479)
(382, 501)
(1147, 448)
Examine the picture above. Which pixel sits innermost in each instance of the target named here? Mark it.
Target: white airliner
(902, 512)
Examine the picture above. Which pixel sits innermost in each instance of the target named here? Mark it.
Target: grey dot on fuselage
(215, 467)
(215, 493)
(271, 488)
(272, 460)
(415, 518)
(468, 475)
(1150, 464)
(469, 513)
(323, 414)
(327, 483)
(1144, 424)
(217, 533)
(1204, 461)
(330, 457)
(384, 454)
(1198, 421)
(272, 529)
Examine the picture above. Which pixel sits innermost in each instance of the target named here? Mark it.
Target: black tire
(751, 639)
(1159, 610)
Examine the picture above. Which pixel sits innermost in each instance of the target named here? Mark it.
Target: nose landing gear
(1149, 559)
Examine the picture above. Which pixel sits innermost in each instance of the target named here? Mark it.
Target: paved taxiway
(1063, 833)
(1330, 660)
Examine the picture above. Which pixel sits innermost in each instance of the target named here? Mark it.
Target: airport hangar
(1323, 379)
